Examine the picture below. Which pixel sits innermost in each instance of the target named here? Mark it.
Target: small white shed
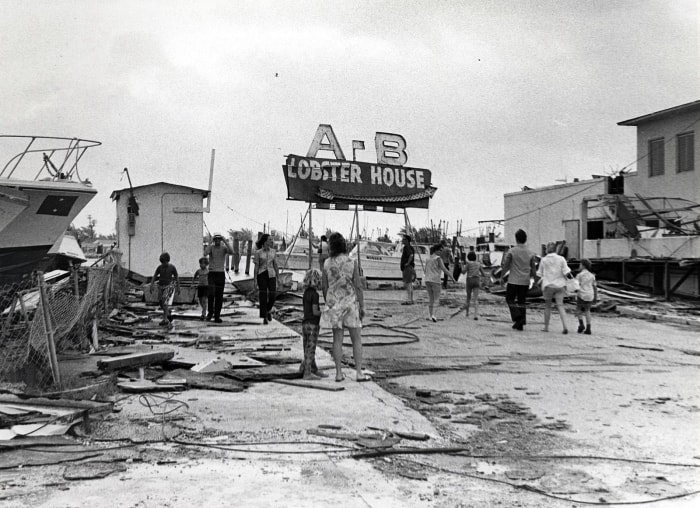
(161, 217)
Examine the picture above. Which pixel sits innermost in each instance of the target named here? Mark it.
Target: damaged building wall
(671, 133)
(550, 214)
(170, 219)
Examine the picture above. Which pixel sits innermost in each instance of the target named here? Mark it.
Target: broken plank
(267, 373)
(208, 381)
(135, 360)
(302, 383)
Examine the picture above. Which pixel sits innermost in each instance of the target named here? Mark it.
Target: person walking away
(474, 272)
(202, 278)
(168, 285)
(447, 259)
(434, 269)
(323, 251)
(236, 249)
(459, 261)
(519, 264)
(266, 274)
(554, 271)
(310, 325)
(408, 268)
(587, 296)
(345, 305)
(217, 253)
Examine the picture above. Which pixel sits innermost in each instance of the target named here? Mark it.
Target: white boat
(382, 261)
(296, 257)
(41, 193)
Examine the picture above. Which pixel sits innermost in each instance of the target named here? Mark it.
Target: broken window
(656, 157)
(686, 152)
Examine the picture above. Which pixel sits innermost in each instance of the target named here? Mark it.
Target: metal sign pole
(311, 252)
(359, 262)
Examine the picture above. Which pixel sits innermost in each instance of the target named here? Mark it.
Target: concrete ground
(532, 419)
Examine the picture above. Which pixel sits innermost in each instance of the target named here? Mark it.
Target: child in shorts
(201, 276)
(310, 325)
(587, 295)
(168, 286)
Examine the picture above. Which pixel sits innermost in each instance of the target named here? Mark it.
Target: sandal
(340, 379)
(363, 379)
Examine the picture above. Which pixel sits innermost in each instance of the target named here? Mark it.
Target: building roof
(664, 113)
(116, 193)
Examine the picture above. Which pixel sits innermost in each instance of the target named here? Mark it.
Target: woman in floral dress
(342, 292)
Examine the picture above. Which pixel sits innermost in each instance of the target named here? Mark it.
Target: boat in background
(245, 284)
(296, 256)
(41, 193)
(382, 261)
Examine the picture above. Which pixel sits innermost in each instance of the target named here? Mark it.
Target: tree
(423, 235)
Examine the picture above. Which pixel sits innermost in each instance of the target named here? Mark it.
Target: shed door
(572, 237)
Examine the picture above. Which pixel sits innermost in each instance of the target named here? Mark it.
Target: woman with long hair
(266, 272)
(345, 305)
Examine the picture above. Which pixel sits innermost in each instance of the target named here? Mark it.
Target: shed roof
(664, 113)
(116, 193)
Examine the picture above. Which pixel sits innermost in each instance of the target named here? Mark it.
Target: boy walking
(201, 276)
(168, 285)
(587, 295)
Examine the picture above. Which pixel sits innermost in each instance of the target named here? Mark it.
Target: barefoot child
(434, 269)
(474, 272)
(587, 295)
(201, 276)
(310, 325)
(168, 285)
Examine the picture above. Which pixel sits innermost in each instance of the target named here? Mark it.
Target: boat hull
(41, 212)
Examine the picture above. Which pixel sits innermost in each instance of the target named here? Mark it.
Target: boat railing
(52, 156)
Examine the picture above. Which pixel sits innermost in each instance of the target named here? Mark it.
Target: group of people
(437, 268)
(210, 277)
(521, 267)
(339, 281)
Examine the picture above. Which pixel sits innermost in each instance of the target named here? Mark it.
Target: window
(686, 152)
(656, 157)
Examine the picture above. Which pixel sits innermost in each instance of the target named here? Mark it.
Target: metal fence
(49, 314)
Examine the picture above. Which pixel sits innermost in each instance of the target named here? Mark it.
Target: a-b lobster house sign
(388, 183)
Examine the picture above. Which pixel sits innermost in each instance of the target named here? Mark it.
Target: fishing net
(62, 314)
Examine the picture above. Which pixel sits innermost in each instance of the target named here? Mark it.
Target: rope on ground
(406, 337)
(463, 451)
(541, 492)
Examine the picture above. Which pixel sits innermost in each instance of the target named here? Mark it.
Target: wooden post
(359, 257)
(48, 328)
(247, 260)
(95, 340)
(76, 279)
(667, 280)
(311, 248)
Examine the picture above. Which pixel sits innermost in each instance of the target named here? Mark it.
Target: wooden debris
(212, 365)
(267, 373)
(208, 381)
(410, 435)
(135, 360)
(92, 471)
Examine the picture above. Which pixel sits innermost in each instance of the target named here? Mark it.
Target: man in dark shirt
(519, 262)
(408, 268)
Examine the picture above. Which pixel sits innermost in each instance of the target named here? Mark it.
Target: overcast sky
(490, 95)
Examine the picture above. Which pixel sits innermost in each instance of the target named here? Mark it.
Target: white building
(649, 218)
(168, 219)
